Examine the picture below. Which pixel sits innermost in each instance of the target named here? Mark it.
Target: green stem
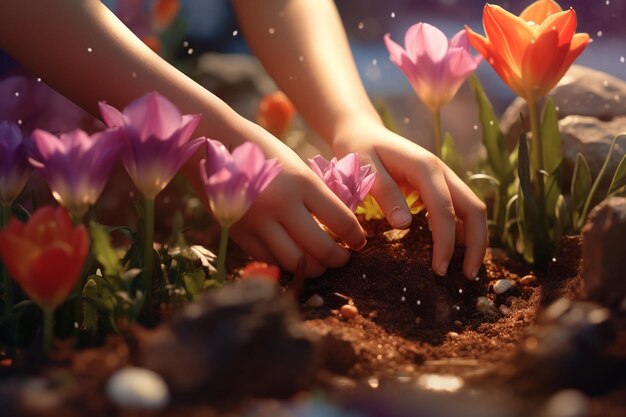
(536, 144)
(48, 330)
(221, 255)
(148, 241)
(7, 283)
(437, 129)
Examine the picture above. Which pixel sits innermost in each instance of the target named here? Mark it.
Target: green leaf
(103, 251)
(493, 138)
(562, 216)
(194, 282)
(551, 141)
(450, 156)
(581, 183)
(618, 183)
(90, 313)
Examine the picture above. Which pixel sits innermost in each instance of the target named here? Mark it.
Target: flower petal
(538, 11)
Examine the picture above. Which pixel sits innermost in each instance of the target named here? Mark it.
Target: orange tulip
(276, 113)
(532, 52)
(45, 256)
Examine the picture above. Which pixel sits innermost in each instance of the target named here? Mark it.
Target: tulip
(532, 52)
(232, 182)
(14, 166)
(276, 113)
(261, 270)
(434, 66)
(345, 177)
(76, 166)
(157, 145)
(45, 256)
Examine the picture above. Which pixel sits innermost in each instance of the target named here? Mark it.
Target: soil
(410, 323)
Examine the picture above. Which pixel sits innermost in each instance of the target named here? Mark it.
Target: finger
(472, 211)
(251, 245)
(428, 177)
(335, 215)
(314, 240)
(390, 199)
(286, 251)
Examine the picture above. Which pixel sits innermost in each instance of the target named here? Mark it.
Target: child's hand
(453, 209)
(279, 226)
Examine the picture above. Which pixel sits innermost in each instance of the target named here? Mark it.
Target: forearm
(303, 45)
(81, 49)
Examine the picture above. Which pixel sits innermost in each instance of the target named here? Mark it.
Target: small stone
(138, 388)
(458, 323)
(528, 280)
(504, 310)
(373, 314)
(484, 305)
(453, 335)
(348, 311)
(315, 301)
(503, 285)
(394, 235)
(567, 403)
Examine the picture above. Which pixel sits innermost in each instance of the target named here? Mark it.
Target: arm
(81, 49)
(308, 55)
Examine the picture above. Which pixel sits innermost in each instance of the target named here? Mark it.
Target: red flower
(275, 113)
(261, 270)
(45, 255)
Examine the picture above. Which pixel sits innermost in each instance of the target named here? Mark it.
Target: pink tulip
(345, 177)
(76, 166)
(435, 67)
(14, 167)
(158, 140)
(233, 181)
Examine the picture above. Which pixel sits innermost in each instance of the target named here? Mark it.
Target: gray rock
(567, 403)
(138, 388)
(243, 340)
(502, 285)
(591, 106)
(604, 270)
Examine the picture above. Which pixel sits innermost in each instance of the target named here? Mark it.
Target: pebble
(373, 314)
(567, 403)
(315, 301)
(504, 310)
(528, 280)
(458, 323)
(138, 388)
(348, 311)
(484, 305)
(452, 335)
(503, 285)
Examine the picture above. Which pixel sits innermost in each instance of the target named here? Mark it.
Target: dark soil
(410, 322)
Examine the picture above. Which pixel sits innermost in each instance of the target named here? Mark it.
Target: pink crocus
(233, 181)
(75, 165)
(158, 140)
(14, 166)
(346, 177)
(434, 66)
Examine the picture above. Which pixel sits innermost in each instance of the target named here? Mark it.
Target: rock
(504, 310)
(485, 305)
(568, 347)
(315, 301)
(567, 403)
(604, 269)
(591, 106)
(217, 347)
(137, 388)
(502, 285)
(528, 280)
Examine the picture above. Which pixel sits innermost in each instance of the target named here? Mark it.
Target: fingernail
(361, 246)
(441, 269)
(400, 219)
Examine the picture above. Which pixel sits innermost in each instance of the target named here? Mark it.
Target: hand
(282, 225)
(453, 209)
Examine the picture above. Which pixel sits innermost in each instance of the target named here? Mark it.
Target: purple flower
(14, 166)
(233, 181)
(435, 67)
(345, 177)
(157, 140)
(76, 166)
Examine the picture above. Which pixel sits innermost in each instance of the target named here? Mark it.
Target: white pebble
(484, 305)
(315, 301)
(502, 285)
(567, 403)
(138, 388)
